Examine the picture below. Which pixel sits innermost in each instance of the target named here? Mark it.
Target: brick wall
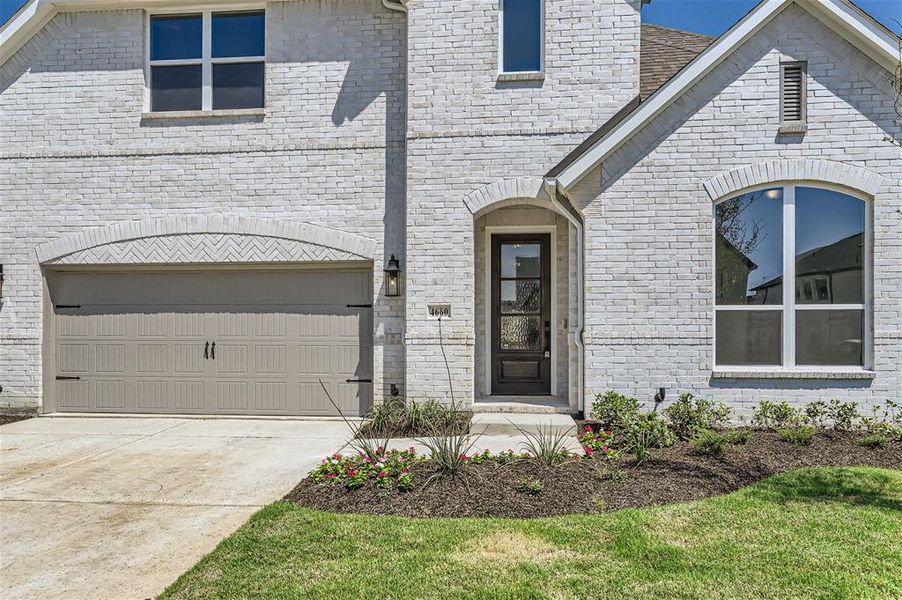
(649, 220)
(467, 129)
(76, 151)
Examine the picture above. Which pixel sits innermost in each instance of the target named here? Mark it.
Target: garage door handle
(213, 351)
(358, 381)
(206, 350)
(68, 378)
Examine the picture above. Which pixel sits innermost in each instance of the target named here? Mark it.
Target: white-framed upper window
(206, 60)
(521, 27)
(817, 238)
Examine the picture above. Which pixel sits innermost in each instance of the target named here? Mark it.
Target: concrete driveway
(118, 507)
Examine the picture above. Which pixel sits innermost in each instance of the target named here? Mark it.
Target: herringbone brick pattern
(205, 248)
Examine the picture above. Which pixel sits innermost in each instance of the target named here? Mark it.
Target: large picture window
(790, 278)
(206, 61)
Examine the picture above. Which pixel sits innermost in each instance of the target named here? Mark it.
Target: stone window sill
(727, 373)
(522, 76)
(793, 128)
(205, 114)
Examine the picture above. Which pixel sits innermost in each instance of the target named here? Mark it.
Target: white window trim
(513, 75)
(206, 61)
(491, 230)
(789, 306)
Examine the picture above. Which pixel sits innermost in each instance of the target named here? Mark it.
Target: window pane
(238, 34)
(521, 296)
(829, 247)
(522, 26)
(521, 260)
(748, 337)
(829, 337)
(748, 253)
(238, 85)
(175, 88)
(520, 333)
(175, 37)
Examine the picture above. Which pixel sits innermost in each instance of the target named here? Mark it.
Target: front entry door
(521, 308)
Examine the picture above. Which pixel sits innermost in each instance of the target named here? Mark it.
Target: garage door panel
(188, 395)
(110, 394)
(137, 340)
(270, 396)
(231, 359)
(270, 359)
(153, 358)
(231, 396)
(74, 395)
(153, 395)
(110, 358)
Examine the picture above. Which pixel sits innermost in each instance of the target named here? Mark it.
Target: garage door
(212, 342)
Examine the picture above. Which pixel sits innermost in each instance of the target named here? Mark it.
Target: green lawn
(816, 533)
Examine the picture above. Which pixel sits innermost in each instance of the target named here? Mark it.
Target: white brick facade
(387, 133)
(649, 216)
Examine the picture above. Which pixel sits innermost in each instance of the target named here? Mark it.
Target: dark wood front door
(521, 308)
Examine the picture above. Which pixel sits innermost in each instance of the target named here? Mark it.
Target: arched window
(817, 239)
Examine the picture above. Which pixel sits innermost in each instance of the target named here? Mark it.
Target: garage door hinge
(68, 378)
(358, 306)
(68, 306)
(358, 381)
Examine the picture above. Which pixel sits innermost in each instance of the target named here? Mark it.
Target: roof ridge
(701, 35)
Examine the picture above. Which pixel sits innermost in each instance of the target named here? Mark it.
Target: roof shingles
(663, 53)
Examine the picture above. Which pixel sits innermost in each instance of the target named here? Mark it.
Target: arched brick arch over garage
(825, 171)
(206, 239)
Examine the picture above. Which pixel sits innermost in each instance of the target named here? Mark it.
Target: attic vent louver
(793, 91)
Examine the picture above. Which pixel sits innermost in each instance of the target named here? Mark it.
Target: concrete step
(510, 423)
(523, 405)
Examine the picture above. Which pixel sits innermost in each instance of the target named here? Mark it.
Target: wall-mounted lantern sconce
(1, 282)
(395, 392)
(393, 277)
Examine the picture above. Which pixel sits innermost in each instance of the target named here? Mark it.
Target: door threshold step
(519, 404)
(513, 423)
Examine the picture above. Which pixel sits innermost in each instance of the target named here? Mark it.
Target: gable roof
(849, 21)
(663, 52)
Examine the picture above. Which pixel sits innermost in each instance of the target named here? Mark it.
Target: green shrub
(873, 440)
(844, 415)
(885, 421)
(646, 432)
(799, 434)
(738, 437)
(397, 418)
(546, 446)
(529, 486)
(817, 414)
(775, 415)
(614, 412)
(689, 415)
(708, 442)
(450, 453)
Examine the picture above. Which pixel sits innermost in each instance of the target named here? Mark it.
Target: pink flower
(588, 451)
(382, 474)
(331, 476)
(463, 457)
(412, 450)
(588, 428)
(352, 473)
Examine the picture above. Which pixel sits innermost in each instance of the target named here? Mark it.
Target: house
(232, 207)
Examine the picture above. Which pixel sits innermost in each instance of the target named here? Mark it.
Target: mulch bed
(671, 475)
(7, 419)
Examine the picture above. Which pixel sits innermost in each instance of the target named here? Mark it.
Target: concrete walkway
(112, 507)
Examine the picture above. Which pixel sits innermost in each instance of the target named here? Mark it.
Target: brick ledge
(792, 374)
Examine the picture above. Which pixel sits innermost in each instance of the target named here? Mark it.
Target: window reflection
(749, 249)
(829, 247)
